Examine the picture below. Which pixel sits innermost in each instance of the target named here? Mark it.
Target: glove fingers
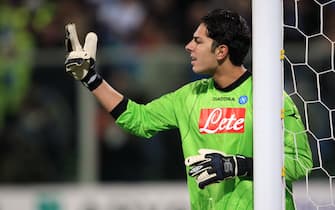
(76, 55)
(73, 62)
(197, 169)
(90, 45)
(72, 42)
(194, 159)
(202, 157)
(205, 179)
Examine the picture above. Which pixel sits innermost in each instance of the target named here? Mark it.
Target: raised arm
(80, 63)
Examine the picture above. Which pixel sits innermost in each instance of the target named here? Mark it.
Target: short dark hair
(231, 29)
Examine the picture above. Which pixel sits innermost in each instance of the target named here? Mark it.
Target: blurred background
(53, 133)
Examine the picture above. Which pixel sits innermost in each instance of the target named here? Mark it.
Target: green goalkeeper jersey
(214, 118)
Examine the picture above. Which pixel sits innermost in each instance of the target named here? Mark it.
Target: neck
(226, 75)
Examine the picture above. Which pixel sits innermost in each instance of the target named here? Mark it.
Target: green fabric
(181, 109)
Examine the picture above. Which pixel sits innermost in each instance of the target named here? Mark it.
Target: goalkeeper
(214, 116)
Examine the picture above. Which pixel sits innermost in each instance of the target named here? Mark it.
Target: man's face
(203, 59)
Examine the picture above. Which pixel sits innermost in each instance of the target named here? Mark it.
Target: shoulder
(290, 107)
(196, 87)
(288, 102)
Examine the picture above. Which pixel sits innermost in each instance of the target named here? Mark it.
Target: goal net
(309, 78)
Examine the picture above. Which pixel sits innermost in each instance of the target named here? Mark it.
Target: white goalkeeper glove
(212, 166)
(80, 63)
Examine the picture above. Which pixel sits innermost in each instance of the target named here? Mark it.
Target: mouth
(193, 59)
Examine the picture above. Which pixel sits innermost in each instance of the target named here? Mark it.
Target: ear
(221, 51)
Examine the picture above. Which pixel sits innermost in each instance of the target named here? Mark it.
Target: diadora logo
(222, 120)
(223, 98)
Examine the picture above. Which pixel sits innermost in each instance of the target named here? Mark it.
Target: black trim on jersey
(235, 84)
(120, 108)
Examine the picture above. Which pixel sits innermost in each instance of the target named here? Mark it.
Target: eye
(197, 40)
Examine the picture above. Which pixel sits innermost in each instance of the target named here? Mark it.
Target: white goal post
(267, 104)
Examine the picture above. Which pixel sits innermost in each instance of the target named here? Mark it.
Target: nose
(188, 47)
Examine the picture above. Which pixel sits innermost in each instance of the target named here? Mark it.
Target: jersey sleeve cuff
(120, 108)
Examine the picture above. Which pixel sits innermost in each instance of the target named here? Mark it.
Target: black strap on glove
(92, 79)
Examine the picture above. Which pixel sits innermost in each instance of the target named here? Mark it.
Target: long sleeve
(146, 120)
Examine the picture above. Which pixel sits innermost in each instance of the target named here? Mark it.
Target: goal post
(267, 104)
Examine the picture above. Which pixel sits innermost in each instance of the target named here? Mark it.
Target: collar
(235, 84)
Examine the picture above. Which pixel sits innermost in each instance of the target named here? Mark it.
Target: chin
(201, 71)
(196, 70)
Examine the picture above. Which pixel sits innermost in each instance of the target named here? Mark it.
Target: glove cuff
(244, 166)
(92, 80)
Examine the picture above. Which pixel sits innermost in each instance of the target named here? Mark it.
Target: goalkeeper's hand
(80, 62)
(212, 166)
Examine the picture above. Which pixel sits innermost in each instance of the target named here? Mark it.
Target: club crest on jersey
(222, 120)
(243, 100)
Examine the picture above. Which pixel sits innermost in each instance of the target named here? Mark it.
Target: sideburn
(215, 44)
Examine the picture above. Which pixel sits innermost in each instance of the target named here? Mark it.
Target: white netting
(309, 43)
